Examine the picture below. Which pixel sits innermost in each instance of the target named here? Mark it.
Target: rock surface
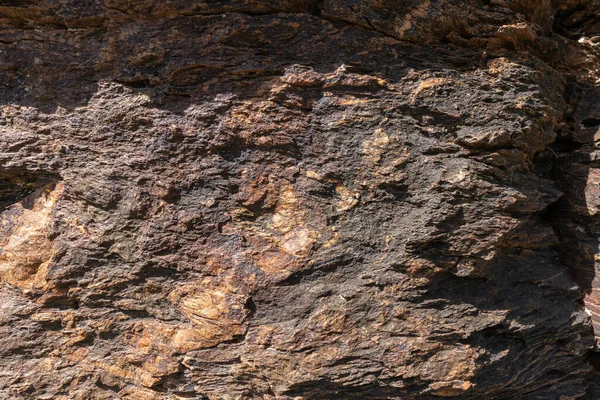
(276, 199)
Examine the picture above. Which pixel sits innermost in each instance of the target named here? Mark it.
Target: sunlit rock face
(299, 199)
(26, 248)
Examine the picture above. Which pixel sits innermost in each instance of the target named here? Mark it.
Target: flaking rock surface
(273, 199)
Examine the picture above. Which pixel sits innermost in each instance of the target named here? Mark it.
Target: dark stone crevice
(16, 184)
(575, 223)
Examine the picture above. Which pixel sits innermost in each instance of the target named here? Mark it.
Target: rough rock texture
(273, 199)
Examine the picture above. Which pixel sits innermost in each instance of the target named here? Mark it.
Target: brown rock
(278, 199)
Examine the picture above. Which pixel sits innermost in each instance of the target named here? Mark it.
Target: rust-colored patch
(26, 250)
(282, 236)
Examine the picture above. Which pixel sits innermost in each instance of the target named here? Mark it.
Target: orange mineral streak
(283, 236)
(25, 249)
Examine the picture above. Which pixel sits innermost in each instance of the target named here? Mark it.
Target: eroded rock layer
(335, 199)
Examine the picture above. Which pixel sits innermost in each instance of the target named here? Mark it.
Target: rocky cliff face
(335, 199)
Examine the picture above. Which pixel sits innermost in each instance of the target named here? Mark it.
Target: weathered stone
(279, 199)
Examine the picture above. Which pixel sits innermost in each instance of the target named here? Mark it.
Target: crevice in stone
(572, 216)
(570, 22)
(17, 183)
(591, 122)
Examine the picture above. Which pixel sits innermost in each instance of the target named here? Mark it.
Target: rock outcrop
(310, 199)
